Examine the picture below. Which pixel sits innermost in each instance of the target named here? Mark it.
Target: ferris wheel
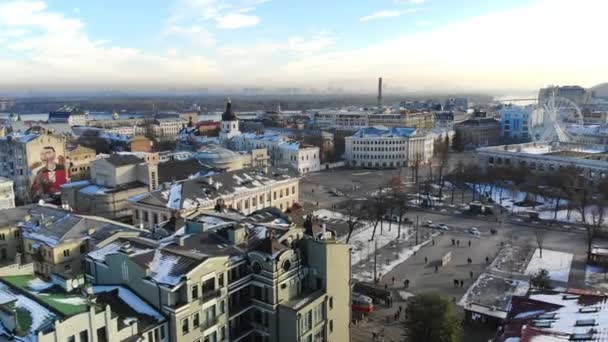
(549, 120)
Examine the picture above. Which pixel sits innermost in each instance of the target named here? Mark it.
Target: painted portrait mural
(50, 173)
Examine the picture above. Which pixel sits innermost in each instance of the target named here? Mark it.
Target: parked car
(428, 223)
(474, 231)
(443, 226)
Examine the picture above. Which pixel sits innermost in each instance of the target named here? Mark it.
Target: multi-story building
(245, 190)
(382, 147)
(162, 128)
(79, 161)
(282, 150)
(234, 278)
(36, 163)
(225, 159)
(576, 94)
(113, 181)
(514, 122)
(7, 194)
(140, 144)
(71, 115)
(478, 132)
(54, 240)
(589, 160)
(353, 120)
(104, 313)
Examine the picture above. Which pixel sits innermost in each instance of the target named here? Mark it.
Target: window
(156, 334)
(72, 338)
(222, 332)
(102, 335)
(220, 280)
(2, 237)
(222, 306)
(331, 303)
(84, 336)
(185, 326)
(162, 332)
(275, 195)
(331, 326)
(293, 189)
(83, 249)
(150, 336)
(68, 267)
(17, 233)
(196, 320)
(194, 292)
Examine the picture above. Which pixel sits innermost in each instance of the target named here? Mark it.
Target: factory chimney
(380, 93)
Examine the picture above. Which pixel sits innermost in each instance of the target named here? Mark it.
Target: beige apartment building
(245, 190)
(113, 181)
(236, 278)
(55, 240)
(79, 159)
(25, 157)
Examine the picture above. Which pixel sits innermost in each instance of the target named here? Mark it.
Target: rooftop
(385, 132)
(123, 159)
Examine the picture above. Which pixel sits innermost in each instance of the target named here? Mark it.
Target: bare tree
(352, 209)
(539, 234)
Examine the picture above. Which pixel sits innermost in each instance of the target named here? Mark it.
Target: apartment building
(352, 120)
(245, 190)
(113, 180)
(35, 163)
(478, 132)
(79, 159)
(55, 240)
(7, 194)
(102, 313)
(236, 278)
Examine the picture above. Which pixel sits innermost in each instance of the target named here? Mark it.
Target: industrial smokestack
(380, 92)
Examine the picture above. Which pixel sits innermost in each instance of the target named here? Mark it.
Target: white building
(382, 147)
(7, 195)
(282, 150)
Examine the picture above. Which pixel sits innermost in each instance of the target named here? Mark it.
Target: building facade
(381, 147)
(280, 284)
(7, 194)
(245, 190)
(36, 163)
(113, 181)
(478, 132)
(353, 120)
(79, 161)
(514, 122)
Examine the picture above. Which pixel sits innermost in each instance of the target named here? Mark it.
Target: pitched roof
(229, 115)
(123, 159)
(176, 170)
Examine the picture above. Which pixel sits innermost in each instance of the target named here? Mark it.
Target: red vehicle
(362, 303)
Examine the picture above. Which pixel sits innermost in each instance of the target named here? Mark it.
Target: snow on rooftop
(557, 263)
(93, 190)
(175, 196)
(161, 267)
(47, 240)
(74, 184)
(131, 299)
(39, 314)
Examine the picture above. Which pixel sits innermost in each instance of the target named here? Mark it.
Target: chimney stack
(380, 92)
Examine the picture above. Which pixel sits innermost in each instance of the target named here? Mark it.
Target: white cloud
(412, 2)
(236, 20)
(388, 14)
(194, 33)
(521, 48)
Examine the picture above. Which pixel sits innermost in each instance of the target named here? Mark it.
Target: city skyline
(417, 45)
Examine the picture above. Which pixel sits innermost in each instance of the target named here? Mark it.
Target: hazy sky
(416, 45)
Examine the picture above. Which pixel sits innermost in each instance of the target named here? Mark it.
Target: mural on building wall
(49, 174)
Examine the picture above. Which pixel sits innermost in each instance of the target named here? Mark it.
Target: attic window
(547, 316)
(542, 324)
(589, 309)
(570, 297)
(581, 337)
(585, 322)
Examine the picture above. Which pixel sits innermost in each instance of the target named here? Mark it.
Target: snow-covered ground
(363, 248)
(506, 197)
(596, 276)
(557, 263)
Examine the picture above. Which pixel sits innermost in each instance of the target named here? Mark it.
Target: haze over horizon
(506, 47)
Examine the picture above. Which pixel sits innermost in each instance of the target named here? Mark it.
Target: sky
(499, 46)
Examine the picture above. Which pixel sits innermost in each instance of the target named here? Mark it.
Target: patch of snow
(131, 299)
(71, 300)
(161, 267)
(47, 240)
(557, 263)
(596, 276)
(38, 284)
(175, 197)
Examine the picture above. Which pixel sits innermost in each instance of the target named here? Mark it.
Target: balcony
(210, 294)
(208, 323)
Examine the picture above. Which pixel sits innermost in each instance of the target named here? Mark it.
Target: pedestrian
(407, 283)
(426, 260)
(469, 243)
(461, 283)
(471, 274)
(393, 280)
(453, 242)
(456, 282)
(469, 261)
(373, 336)
(487, 260)
(400, 309)
(457, 242)
(436, 268)
(385, 286)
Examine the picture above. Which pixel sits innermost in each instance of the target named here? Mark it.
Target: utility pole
(376, 280)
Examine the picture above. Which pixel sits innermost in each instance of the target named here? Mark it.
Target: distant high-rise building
(380, 92)
(576, 94)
